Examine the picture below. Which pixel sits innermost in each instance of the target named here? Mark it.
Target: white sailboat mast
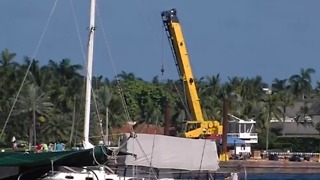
(89, 71)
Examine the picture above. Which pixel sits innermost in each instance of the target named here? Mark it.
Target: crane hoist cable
(162, 52)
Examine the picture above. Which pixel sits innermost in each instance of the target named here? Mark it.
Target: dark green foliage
(58, 107)
(298, 144)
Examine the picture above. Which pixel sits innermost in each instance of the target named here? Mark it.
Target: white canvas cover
(166, 152)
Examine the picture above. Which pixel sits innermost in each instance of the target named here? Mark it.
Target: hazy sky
(272, 38)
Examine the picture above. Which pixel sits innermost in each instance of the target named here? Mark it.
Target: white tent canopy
(166, 152)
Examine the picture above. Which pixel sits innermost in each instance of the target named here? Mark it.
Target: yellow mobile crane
(197, 126)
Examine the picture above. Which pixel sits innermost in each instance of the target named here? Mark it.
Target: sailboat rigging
(27, 165)
(160, 152)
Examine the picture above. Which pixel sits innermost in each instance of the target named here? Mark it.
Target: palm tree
(58, 128)
(301, 87)
(177, 102)
(279, 85)
(117, 115)
(128, 76)
(286, 100)
(33, 103)
(301, 83)
(234, 90)
(155, 80)
(6, 59)
(9, 76)
(213, 84)
(103, 97)
(285, 97)
(252, 88)
(152, 112)
(270, 110)
(208, 89)
(36, 75)
(63, 82)
(302, 117)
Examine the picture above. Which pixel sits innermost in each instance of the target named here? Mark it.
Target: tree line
(50, 106)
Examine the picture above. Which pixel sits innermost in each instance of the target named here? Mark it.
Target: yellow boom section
(196, 126)
(175, 35)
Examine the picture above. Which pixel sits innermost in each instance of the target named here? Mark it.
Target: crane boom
(178, 45)
(197, 126)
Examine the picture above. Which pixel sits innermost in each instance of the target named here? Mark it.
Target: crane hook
(162, 70)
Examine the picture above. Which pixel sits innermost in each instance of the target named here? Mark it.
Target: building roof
(294, 128)
(312, 104)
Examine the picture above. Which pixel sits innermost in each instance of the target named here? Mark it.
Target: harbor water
(256, 176)
(270, 176)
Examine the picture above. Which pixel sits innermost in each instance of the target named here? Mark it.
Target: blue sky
(272, 38)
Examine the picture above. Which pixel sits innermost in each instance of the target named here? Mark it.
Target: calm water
(281, 177)
(266, 177)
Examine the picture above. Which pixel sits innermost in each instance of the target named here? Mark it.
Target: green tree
(270, 110)
(208, 91)
(64, 82)
(33, 103)
(128, 76)
(9, 78)
(301, 83)
(7, 59)
(57, 128)
(286, 98)
(103, 97)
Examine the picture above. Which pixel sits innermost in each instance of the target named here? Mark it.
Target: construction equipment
(197, 126)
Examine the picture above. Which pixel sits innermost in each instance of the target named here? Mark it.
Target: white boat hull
(94, 175)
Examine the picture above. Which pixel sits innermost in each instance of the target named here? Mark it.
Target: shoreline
(261, 166)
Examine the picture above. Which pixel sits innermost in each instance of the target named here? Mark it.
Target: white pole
(89, 71)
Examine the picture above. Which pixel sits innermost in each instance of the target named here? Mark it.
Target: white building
(244, 130)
